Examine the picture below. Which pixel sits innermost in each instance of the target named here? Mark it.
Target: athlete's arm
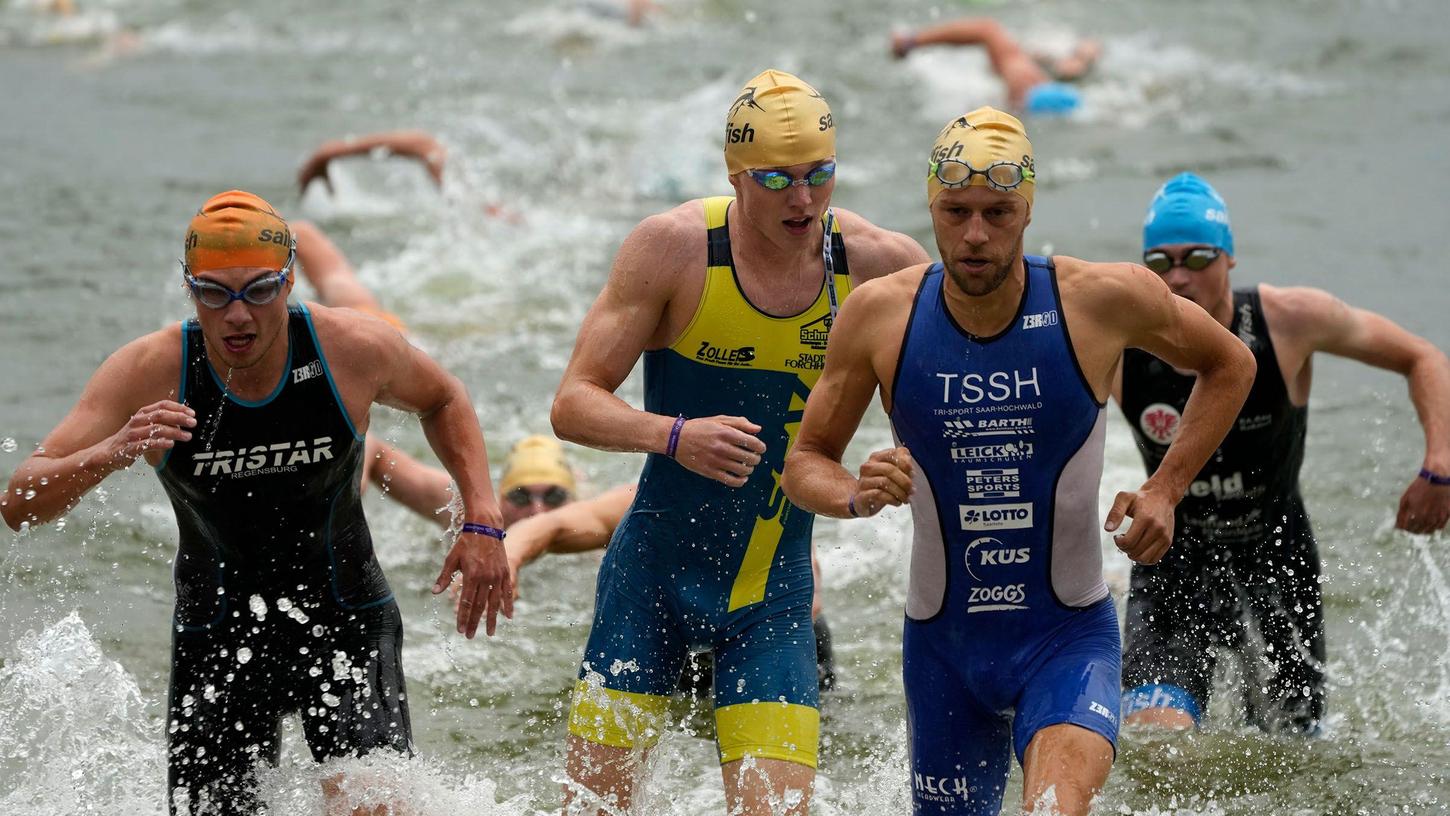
(620, 324)
(423, 489)
(1138, 304)
(376, 365)
(416, 144)
(1318, 321)
(814, 478)
(576, 527)
(121, 415)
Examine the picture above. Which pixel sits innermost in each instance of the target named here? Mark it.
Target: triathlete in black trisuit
(1243, 572)
(253, 414)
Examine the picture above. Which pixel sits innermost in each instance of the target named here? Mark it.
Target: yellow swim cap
(536, 460)
(982, 138)
(236, 228)
(777, 121)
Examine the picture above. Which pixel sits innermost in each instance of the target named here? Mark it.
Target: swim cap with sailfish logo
(777, 120)
(982, 138)
(236, 229)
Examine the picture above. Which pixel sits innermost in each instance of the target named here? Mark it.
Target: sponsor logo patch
(994, 483)
(817, 332)
(307, 372)
(1159, 422)
(262, 460)
(993, 552)
(995, 452)
(996, 516)
(1007, 598)
(1037, 321)
(719, 355)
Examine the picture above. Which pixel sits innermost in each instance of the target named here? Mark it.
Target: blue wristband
(483, 530)
(1434, 478)
(851, 506)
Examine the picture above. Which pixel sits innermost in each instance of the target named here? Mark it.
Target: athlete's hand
(885, 481)
(316, 168)
(723, 448)
(1147, 540)
(158, 426)
(1424, 508)
(486, 586)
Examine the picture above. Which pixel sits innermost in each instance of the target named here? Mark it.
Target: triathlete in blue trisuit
(730, 301)
(253, 414)
(1243, 573)
(994, 368)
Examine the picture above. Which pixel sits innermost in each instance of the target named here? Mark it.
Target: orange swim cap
(237, 229)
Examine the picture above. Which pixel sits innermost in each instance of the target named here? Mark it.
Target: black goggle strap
(830, 259)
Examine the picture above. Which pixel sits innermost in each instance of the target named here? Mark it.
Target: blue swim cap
(1187, 210)
(1053, 99)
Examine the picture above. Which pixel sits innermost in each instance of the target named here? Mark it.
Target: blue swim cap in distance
(1053, 99)
(1187, 210)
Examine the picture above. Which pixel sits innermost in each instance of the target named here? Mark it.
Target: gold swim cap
(982, 138)
(536, 460)
(236, 229)
(777, 121)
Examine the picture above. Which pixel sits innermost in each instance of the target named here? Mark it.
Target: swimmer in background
(413, 144)
(1036, 83)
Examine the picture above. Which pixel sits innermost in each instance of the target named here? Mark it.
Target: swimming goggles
(552, 496)
(1194, 260)
(777, 180)
(1004, 176)
(259, 292)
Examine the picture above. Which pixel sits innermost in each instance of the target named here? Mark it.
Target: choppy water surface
(1323, 123)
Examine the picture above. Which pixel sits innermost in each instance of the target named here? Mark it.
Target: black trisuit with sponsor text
(281, 606)
(1243, 571)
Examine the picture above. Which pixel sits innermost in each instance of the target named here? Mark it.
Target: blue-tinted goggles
(259, 292)
(776, 180)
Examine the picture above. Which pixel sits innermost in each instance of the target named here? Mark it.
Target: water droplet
(244, 654)
(284, 604)
(332, 700)
(8, 445)
(29, 494)
(258, 607)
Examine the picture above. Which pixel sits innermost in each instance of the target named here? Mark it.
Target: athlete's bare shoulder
(1300, 309)
(876, 251)
(351, 338)
(1110, 293)
(144, 370)
(665, 243)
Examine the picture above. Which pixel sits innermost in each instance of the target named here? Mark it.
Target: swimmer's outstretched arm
(627, 317)
(424, 489)
(576, 527)
(415, 144)
(125, 411)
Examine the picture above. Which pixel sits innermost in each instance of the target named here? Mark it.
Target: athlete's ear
(735, 182)
(1231, 262)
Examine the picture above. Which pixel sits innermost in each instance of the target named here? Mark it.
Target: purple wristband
(675, 436)
(483, 529)
(1434, 478)
(851, 506)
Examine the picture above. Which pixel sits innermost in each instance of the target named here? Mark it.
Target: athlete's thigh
(766, 689)
(960, 751)
(353, 677)
(1172, 624)
(1077, 680)
(634, 655)
(1284, 609)
(222, 721)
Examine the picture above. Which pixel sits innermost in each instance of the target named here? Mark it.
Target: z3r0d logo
(996, 516)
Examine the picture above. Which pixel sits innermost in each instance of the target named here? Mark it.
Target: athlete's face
(979, 235)
(240, 334)
(1204, 287)
(784, 216)
(526, 501)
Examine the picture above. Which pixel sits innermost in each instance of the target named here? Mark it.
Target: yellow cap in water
(536, 460)
(777, 121)
(982, 138)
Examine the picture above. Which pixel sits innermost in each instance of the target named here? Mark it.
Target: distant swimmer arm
(1137, 304)
(117, 419)
(416, 144)
(814, 478)
(576, 527)
(425, 490)
(616, 331)
(1318, 321)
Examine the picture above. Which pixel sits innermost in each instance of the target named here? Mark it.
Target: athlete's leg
(766, 694)
(1173, 621)
(631, 666)
(960, 750)
(1066, 727)
(1064, 768)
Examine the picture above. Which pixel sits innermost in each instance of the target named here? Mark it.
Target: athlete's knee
(600, 778)
(1160, 704)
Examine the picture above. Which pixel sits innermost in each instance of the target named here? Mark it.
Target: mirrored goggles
(1194, 260)
(777, 180)
(552, 496)
(259, 292)
(953, 173)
